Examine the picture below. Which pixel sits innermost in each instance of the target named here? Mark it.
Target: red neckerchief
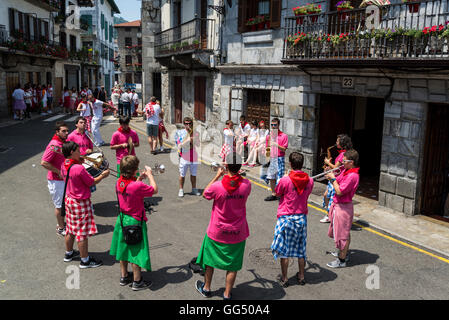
(69, 162)
(231, 183)
(123, 130)
(300, 180)
(123, 182)
(352, 170)
(57, 138)
(341, 151)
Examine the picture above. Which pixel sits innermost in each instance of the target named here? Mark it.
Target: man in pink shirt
(341, 212)
(79, 136)
(78, 207)
(290, 236)
(124, 140)
(224, 244)
(277, 141)
(52, 161)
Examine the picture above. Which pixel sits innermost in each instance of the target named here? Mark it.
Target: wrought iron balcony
(49, 5)
(389, 35)
(195, 35)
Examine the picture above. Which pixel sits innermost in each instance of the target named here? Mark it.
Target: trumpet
(321, 175)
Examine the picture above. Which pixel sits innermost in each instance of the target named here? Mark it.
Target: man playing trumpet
(124, 141)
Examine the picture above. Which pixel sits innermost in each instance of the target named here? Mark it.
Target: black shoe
(271, 198)
(91, 263)
(141, 285)
(126, 280)
(69, 257)
(199, 285)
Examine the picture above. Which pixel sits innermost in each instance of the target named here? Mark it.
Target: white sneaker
(336, 264)
(162, 149)
(43, 114)
(181, 193)
(196, 192)
(325, 220)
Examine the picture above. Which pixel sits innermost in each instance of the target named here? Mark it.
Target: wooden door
(200, 99)
(12, 80)
(258, 106)
(178, 99)
(57, 92)
(436, 160)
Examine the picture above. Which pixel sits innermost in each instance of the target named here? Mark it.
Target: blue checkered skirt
(275, 171)
(290, 237)
(330, 196)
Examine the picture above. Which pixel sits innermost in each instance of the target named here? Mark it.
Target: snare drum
(93, 168)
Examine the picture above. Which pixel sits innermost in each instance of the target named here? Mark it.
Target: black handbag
(132, 234)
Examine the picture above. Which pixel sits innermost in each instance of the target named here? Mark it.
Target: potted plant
(413, 6)
(185, 45)
(196, 43)
(313, 9)
(300, 12)
(417, 42)
(342, 6)
(252, 24)
(260, 22)
(435, 42)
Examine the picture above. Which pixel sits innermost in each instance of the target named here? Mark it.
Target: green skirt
(222, 256)
(138, 254)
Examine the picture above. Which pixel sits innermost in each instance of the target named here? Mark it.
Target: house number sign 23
(348, 82)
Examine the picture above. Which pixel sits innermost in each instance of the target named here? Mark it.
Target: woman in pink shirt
(224, 244)
(78, 207)
(290, 235)
(341, 212)
(131, 192)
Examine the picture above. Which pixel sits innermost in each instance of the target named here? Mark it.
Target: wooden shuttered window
(12, 20)
(200, 99)
(250, 9)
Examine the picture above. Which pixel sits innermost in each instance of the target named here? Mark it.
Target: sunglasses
(274, 124)
(187, 123)
(347, 161)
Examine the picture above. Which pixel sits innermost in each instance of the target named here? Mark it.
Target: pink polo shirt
(340, 158)
(82, 140)
(291, 201)
(79, 183)
(131, 202)
(282, 140)
(348, 186)
(228, 218)
(53, 155)
(122, 137)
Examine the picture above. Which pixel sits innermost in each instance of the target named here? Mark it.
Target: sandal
(301, 282)
(283, 283)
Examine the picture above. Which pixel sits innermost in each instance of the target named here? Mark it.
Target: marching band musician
(187, 142)
(79, 212)
(52, 161)
(79, 136)
(124, 140)
(343, 143)
(341, 212)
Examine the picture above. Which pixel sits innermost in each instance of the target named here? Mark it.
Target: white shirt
(28, 96)
(253, 134)
(246, 129)
(50, 92)
(263, 135)
(97, 107)
(85, 112)
(228, 137)
(154, 120)
(115, 97)
(135, 98)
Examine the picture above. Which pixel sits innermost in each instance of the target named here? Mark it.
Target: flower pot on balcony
(295, 51)
(413, 7)
(315, 48)
(267, 24)
(253, 27)
(314, 19)
(327, 49)
(299, 20)
(435, 45)
(260, 25)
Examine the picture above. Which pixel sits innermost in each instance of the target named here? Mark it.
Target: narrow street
(31, 254)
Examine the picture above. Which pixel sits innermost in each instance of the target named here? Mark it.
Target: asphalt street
(31, 254)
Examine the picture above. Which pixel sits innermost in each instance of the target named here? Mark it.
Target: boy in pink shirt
(341, 212)
(124, 140)
(79, 136)
(52, 160)
(78, 207)
(131, 192)
(224, 244)
(290, 236)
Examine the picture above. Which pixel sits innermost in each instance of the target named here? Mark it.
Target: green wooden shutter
(106, 35)
(102, 21)
(88, 19)
(111, 31)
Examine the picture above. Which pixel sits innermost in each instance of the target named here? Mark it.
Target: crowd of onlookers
(39, 99)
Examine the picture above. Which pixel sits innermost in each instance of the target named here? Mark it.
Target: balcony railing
(197, 34)
(50, 5)
(389, 34)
